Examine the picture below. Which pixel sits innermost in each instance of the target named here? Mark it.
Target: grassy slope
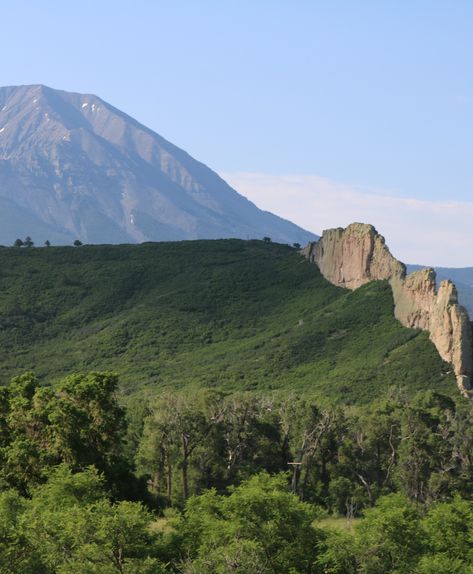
(230, 314)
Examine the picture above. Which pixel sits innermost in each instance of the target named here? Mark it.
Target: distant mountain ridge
(73, 166)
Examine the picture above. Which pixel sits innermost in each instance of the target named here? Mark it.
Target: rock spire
(358, 254)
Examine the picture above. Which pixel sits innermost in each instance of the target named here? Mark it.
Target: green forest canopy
(200, 499)
(263, 408)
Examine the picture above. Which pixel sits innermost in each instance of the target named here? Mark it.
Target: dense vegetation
(259, 409)
(210, 492)
(235, 315)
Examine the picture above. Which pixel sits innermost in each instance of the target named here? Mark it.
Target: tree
(296, 245)
(307, 432)
(16, 552)
(88, 425)
(18, 243)
(236, 557)
(77, 243)
(28, 241)
(442, 564)
(389, 538)
(261, 523)
(267, 239)
(47, 243)
(155, 456)
(337, 553)
(368, 452)
(72, 525)
(240, 430)
(25, 454)
(79, 423)
(203, 439)
(449, 530)
(426, 454)
(176, 427)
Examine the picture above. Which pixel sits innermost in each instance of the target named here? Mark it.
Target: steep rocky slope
(73, 166)
(358, 254)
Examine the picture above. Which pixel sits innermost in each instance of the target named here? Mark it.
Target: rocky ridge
(358, 254)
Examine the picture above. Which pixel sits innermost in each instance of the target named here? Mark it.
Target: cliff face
(358, 254)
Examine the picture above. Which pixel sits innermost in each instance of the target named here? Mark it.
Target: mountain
(230, 314)
(461, 276)
(73, 166)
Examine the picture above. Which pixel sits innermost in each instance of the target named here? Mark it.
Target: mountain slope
(73, 166)
(229, 314)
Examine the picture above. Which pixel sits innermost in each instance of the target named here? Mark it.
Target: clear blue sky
(377, 94)
(374, 92)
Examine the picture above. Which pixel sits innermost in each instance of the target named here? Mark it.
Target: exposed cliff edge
(358, 254)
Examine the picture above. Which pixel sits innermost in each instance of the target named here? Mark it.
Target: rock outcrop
(358, 254)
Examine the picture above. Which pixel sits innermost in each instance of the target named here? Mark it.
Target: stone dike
(358, 254)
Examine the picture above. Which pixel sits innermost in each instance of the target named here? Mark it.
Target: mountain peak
(73, 166)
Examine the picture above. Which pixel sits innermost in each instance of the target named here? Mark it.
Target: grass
(231, 314)
(337, 523)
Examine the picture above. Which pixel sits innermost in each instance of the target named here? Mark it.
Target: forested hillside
(228, 314)
(261, 419)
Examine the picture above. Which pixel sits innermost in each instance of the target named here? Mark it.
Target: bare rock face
(353, 256)
(358, 254)
(414, 297)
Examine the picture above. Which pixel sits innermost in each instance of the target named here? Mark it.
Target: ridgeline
(229, 314)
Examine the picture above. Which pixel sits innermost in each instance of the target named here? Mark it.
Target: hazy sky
(374, 98)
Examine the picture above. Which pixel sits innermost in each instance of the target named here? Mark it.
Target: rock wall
(358, 254)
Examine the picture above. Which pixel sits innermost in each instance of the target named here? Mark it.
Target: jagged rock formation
(462, 277)
(358, 254)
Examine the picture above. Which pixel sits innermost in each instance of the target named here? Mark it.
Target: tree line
(342, 458)
(207, 482)
(28, 242)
